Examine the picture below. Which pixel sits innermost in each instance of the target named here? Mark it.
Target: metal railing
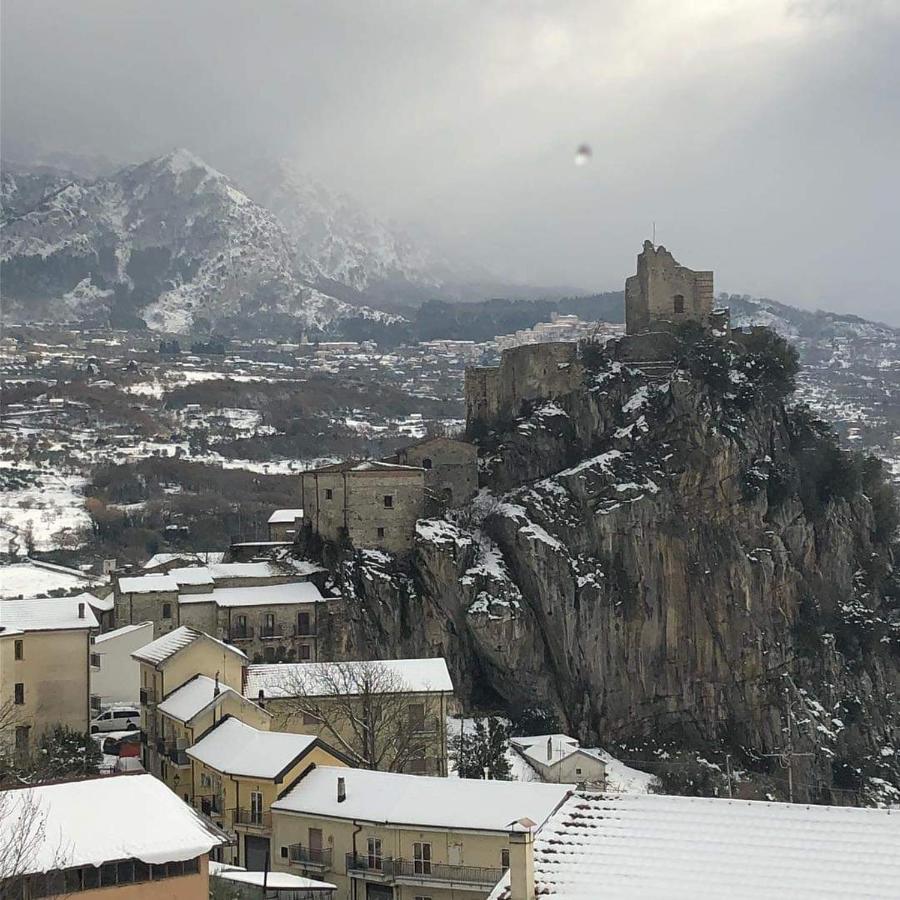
(241, 633)
(147, 696)
(316, 857)
(252, 818)
(426, 725)
(421, 870)
(210, 804)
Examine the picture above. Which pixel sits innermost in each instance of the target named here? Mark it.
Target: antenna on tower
(654, 234)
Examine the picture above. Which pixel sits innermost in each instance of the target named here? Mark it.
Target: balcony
(241, 633)
(211, 805)
(172, 752)
(310, 857)
(147, 696)
(424, 725)
(253, 818)
(423, 872)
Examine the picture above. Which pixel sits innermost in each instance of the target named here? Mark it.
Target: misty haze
(449, 450)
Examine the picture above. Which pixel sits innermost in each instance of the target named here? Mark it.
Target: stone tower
(664, 293)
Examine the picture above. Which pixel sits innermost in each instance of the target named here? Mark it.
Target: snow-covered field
(27, 579)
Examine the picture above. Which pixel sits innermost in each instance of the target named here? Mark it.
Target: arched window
(678, 304)
(426, 463)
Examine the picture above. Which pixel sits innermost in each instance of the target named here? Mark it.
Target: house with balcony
(238, 773)
(402, 836)
(166, 664)
(189, 712)
(408, 701)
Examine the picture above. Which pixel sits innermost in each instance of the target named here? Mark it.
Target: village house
(115, 674)
(560, 758)
(654, 845)
(403, 836)
(45, 647)
(369, 503)
(119, 837)
(166, 664)
(451, 468)
(412, 696)
(285, 524)
(238, 773)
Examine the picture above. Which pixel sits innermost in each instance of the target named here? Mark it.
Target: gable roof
(148, 584)
(423, 800)
(195, 696)
(46, 614)
(296, 592)
(165, 647)
(235, 748)
(122, 632)
(82, 823)
(651, 845)
(362, 465)
(321, 679)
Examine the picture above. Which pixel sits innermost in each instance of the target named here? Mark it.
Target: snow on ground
(27, 579)
(49, 514)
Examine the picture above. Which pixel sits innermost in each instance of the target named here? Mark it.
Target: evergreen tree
(481, 753)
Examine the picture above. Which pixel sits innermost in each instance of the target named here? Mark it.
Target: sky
(761, 136)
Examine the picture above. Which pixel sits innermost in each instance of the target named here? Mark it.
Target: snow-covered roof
(274, 881)
(82, 823)
(121, 632)
(46, 614)
(422, 800)
(262, 569)
(147, 584)
(105, 604)
(362, 465)
(285, 516)
(561, 746)
(418, 676)
(192, 575)
(168, 645)
(258, 595)
(193, 697)
(238, 749)
(201, 556)
(650, 845)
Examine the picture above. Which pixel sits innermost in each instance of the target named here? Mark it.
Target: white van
(120, 718)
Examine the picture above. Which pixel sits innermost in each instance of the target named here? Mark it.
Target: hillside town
(233, 719)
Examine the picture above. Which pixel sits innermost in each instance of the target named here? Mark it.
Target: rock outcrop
(675, 561)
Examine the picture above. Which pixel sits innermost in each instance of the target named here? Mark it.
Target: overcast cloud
(761, 136)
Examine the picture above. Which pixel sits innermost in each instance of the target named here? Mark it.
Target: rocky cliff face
(679, 562)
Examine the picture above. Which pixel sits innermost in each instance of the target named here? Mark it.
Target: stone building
(531, 372)
(370, 503)
(451, 468)
(664, 293)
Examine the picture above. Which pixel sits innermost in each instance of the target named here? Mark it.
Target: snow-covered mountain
(171, 242)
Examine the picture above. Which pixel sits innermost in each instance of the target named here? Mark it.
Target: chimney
(549, 749)
(342, 789)
(80, 610)
(521, 860)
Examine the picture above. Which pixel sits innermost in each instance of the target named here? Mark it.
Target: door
(315, 845)
(255, 851)
(256, 808)
(379, 892)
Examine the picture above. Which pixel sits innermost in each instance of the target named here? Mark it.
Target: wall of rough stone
(526, 373)
(451, 467)
(650, 294)
(132, 609)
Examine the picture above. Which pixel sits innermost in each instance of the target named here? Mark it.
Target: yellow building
(166, 664)
(44, 668)
(401, 837)
(238, 773)
(117, 837)
(189, 712)
(408, 701)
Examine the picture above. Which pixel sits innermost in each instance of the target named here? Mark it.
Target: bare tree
(22, 834)
(364, 709)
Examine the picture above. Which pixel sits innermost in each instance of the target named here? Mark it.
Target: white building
(558, 758)
(115, 675)
(652, 845)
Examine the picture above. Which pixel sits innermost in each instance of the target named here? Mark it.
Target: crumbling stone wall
(526, 373)
(451, 467)
(664, 293)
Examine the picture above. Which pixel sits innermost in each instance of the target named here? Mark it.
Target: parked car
(120, 718)
(122, 744)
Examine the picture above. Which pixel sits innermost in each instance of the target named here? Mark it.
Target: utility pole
(728, 772)
(786, 756)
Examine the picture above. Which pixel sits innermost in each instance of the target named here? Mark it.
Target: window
(95, 660)
(374, 854)
(416, 716)
(22, 738)
(256, 808)
(678, 304)
(304, 623)
(388, 501)
(504, 859)
(20, 650)
(426, 463)
(421, 858)
(578, 771)
(380, 532)
(329, 494)
(303, 652)
(167, 611)
(19, 693)
(269, 624)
